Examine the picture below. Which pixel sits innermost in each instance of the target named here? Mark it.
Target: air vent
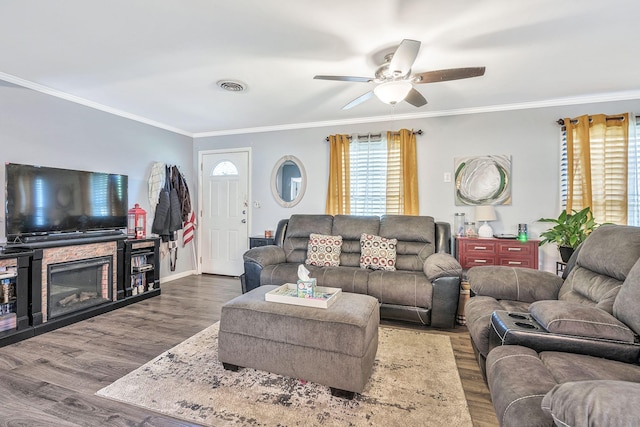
(232, 86)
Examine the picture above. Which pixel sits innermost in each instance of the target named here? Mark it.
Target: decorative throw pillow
(324, 251)
(377, 253)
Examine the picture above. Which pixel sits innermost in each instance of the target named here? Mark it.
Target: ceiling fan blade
(359, 100)
(415, 98)
(345, 78)
(404, 57)
(449, 74)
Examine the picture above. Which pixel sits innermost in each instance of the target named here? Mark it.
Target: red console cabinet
(472, 252)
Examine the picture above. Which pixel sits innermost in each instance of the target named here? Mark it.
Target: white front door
(224, 214)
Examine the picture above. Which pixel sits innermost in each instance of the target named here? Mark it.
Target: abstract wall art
(483, 180)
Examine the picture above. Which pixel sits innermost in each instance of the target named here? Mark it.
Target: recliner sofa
(592, 280)
(577, 337)
(424, 288)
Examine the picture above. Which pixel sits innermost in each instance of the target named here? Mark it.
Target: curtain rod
(418, 132)
(575, 121)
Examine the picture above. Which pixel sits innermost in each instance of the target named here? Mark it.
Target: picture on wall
(483, 180)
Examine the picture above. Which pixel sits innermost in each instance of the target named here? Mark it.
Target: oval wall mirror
(288, 181)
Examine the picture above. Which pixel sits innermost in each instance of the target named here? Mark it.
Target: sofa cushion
(401, 287)
(350, 227)
(377, 253)
(591, 403)
(603, 263)
(590, 288)
(349, 279)
(416, 239)
(324, 250)
(570, 318)
(625, 306)
(299, 229)
(612, 250)
(567, 367)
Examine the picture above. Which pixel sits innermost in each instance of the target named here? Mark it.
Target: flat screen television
(45, 200)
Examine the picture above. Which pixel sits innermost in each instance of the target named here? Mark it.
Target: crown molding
(76, 99)
(556, 102)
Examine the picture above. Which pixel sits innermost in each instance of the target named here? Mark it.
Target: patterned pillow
(377, 253)
(324, 251)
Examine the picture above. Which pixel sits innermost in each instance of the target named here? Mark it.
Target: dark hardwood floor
(50, 380)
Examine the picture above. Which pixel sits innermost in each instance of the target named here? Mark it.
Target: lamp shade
(392, 92)
(485, 213)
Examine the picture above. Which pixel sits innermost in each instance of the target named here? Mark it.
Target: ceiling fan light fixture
(392, 92)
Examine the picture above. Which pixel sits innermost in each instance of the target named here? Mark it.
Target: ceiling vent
(232, 86)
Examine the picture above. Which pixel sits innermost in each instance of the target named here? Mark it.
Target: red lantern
(137, 223)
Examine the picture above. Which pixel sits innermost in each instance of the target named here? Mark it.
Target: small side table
(256, 241)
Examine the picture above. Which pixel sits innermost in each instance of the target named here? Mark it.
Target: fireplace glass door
(77, 285)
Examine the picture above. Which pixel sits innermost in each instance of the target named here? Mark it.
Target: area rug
(414, 382)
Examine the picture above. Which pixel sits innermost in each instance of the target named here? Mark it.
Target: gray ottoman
(335, 347)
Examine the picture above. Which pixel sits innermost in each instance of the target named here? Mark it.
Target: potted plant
(569, 231)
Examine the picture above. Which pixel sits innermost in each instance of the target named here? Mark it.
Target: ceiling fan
(395, 79)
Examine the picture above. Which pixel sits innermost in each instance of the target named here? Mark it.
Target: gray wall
(530, 136)
(40, 129)
(36, 128)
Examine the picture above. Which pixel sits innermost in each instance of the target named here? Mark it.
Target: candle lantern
(137, 223)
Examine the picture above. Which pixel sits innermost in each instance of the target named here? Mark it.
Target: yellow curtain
(402, 173)
(597, 165)
(338, 198)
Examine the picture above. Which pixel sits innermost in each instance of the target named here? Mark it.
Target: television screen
(49, 200)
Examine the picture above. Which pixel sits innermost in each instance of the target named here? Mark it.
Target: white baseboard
(177, 276)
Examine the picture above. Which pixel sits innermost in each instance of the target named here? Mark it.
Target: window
(368, 174)
(608, 177)
(373, 174)
(224, 168)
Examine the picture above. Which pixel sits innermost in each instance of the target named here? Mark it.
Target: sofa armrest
(579, 320)
(444, 302)
(441, 265)
(514, 283)
(265, 255)
(444, 272)
(255, 260)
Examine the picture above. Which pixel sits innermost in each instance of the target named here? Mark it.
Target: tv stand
(132, 274)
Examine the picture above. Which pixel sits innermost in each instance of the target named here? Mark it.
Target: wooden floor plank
(51, 379)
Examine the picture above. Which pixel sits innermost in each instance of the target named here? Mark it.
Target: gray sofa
(424, 288)
(559, 349)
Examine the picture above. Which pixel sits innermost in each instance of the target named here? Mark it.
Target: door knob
(244, 221)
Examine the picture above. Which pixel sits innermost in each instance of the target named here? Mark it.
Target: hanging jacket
(161, 220)
(180, 184)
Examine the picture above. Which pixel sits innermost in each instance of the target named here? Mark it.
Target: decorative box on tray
(288, 294)
(307, 288)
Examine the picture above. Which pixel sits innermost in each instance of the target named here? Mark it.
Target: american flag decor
(189, 229)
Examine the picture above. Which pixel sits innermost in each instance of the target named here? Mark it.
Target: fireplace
(77, 285)
(76, 279)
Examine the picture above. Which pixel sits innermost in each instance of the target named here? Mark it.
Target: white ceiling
(158, 61)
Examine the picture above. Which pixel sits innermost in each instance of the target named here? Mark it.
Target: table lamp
(485, 213)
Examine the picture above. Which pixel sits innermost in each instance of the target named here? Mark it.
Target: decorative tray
(288, 294)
